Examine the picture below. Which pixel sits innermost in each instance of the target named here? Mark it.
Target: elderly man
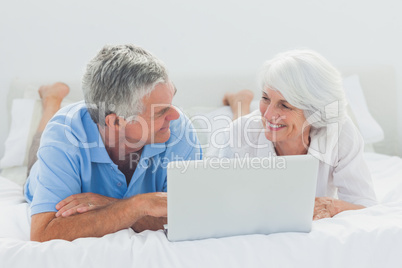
(102, 163)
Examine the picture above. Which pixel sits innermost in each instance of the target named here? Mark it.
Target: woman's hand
(324, 207)
(80, 203)
(327, 207)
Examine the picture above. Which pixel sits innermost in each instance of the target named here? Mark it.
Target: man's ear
(113, 121)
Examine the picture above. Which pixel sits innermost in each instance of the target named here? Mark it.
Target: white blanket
(370, 237)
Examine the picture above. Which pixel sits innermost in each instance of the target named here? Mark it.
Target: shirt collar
(96, 146)
(151, 150)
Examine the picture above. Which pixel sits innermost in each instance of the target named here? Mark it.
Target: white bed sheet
(365, 238)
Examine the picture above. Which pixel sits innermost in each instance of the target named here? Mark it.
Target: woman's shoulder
(249, 131)
(247, 127)
(242, 137)
(336, 141)
(252, 119)
(349, 132)
(338, 132)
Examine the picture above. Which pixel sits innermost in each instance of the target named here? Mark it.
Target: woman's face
(282, 121)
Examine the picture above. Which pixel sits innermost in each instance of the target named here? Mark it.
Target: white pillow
(25, 117)
(368, 126)
(17, 142)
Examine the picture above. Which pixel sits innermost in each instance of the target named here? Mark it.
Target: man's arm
(96, 223)
(84, 202)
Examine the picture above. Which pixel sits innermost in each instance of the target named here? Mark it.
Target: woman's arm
(351, 175)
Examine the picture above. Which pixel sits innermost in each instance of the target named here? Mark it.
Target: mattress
(370, 237)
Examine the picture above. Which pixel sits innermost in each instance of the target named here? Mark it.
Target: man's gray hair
(118, 78)
(309, 82)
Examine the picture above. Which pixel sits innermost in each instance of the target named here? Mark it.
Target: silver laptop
(227, 197)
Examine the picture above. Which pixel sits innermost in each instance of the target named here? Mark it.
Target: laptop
(216, 198)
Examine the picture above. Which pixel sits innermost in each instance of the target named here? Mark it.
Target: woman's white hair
(309, 82)
(118, 78)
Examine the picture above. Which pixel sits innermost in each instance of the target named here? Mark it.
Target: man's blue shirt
(72, 159)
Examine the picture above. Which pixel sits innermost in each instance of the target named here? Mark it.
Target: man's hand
(80, 203)
(154, 204)
(155, 209)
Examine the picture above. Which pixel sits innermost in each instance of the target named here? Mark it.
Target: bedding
(365, 238)
(370, 237)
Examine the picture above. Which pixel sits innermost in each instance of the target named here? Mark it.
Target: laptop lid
(225, 197)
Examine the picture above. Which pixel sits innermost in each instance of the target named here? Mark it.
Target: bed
(370, 237)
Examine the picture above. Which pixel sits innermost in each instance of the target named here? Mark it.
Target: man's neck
(124, 157)
(119, 156)
(118, 151)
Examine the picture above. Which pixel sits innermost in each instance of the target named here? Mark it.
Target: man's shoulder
(70, 125)
(70, 113)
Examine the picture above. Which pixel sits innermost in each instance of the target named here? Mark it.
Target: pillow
(368, 126)
(16, 144)
(25, 117)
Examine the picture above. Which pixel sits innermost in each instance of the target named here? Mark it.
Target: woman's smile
(274, 127)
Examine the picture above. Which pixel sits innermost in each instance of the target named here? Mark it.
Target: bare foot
(243, 96)
(53, 95)
(239, 102)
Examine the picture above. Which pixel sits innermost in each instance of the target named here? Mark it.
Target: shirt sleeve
(351, 175)
(57, 177)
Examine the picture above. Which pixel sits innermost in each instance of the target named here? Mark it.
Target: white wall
(54, 39)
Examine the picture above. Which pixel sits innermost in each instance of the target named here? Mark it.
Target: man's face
(152, 125)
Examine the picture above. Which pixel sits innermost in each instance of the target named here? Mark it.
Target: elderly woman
(302, 111)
